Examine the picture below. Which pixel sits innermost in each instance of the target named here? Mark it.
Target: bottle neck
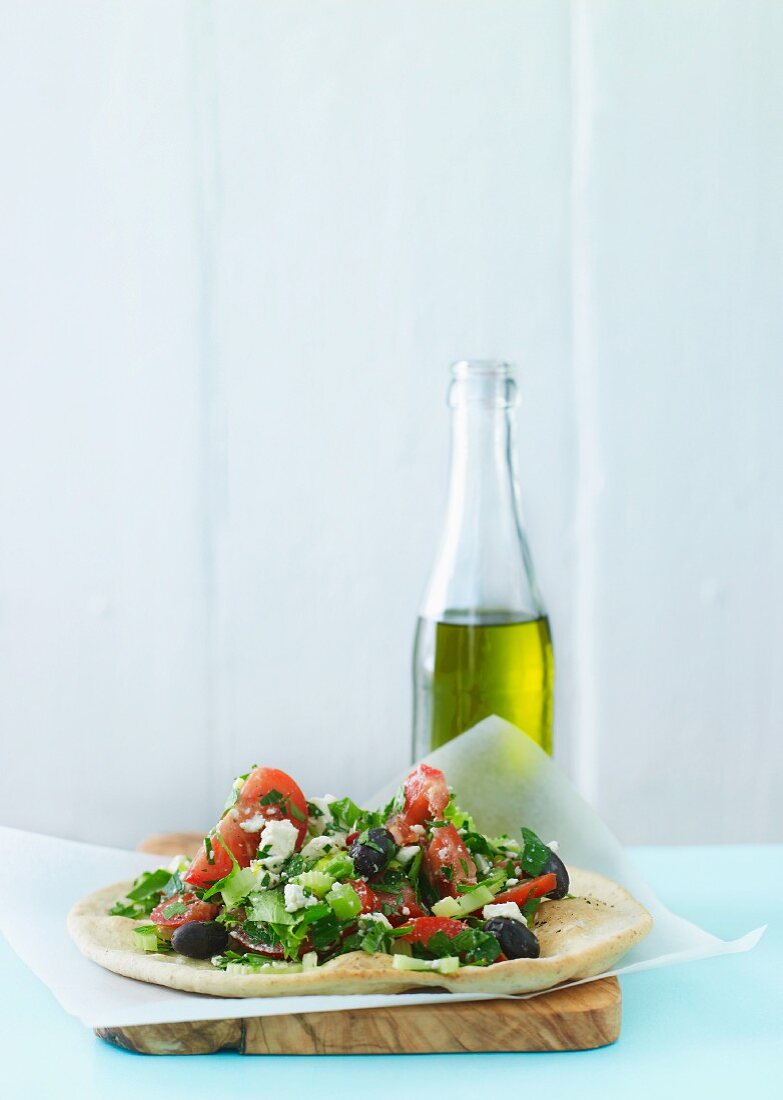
(483, 570)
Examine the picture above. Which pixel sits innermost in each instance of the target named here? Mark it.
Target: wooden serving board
(578, 1018)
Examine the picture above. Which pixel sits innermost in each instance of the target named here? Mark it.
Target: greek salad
(286, 883)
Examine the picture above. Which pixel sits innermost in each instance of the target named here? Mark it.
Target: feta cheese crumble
(482, 863)
(276, 843)
(253, 824)
(318, 824)
(508, 909)
(296, 898)
(320, 845)
(377, 918)
(407, 852)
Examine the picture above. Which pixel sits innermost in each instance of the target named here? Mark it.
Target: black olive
(515, 938)
(555, 866)
(199, 939)
(372, 855)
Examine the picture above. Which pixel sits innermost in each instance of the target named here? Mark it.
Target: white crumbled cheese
(553, 846)
(405, 911)
(508, 909)
(264, 877)
(276, 843)
(253, 824)
(318, 824)
(319, 845)
(407, 852)
(418, 829)
(511, 882)
(482, 863)
(378, 918)
(296, 898)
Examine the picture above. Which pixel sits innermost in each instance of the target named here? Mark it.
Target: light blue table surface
(706, 1029)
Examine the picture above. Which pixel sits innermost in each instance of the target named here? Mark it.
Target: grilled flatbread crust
(580, 937)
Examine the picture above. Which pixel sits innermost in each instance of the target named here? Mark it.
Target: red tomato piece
(447, 861)
(531, 888)
(426, 797)
(293, 804)
(243, 843)
(395, 903)
(368, 898)
(229, 836)
(243, 942)
(195, 910)
(424, 928)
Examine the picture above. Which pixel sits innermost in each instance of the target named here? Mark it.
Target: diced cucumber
(317, 881)
(446, 965)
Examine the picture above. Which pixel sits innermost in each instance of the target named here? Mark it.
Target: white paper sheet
(500, 777)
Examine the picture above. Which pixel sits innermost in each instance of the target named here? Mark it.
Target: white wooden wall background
(240, 244)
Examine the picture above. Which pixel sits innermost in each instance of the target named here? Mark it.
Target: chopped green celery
(274, 965)
(339, 865)
(446, 907)
(446, 965)
(237, 885)
(145, 938)
(345, 902)
(309, 960)
(318, 881)
(464, 904)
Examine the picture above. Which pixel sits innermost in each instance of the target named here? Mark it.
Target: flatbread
(580, 937)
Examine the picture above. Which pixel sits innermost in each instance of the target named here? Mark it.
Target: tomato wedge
(426, 797)
(530, 888)
(265, 782)
(170, 913)
(370, 901)
(267, 794)
(424, 928)
(447, 861)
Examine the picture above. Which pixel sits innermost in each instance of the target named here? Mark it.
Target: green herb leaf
(271, 798)
(269, 906)
(345, 812)
(149, 883)
(175, 909)
(535, 853)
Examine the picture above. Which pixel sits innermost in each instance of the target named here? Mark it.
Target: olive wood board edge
(580, 1017)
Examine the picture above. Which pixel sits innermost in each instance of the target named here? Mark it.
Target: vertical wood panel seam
(205, 137)
(588, 475)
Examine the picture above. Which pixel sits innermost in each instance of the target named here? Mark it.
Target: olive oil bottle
(483, 644)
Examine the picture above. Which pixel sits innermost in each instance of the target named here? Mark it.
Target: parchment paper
(500, 777)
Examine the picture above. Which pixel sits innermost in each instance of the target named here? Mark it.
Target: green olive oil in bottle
(483, 644)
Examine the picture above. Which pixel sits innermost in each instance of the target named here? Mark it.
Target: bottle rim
(482, 368)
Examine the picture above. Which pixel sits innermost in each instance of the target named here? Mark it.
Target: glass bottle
(483, 644)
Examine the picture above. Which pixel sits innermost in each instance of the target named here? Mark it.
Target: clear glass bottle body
(483, 643)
